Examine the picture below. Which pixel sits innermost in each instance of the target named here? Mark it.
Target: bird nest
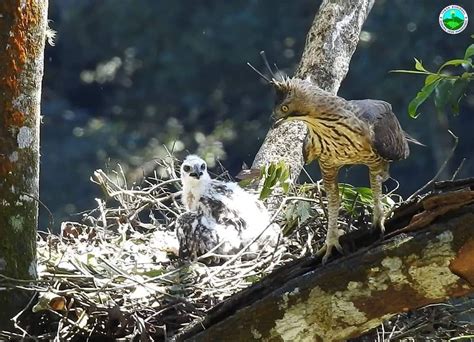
(116, 273)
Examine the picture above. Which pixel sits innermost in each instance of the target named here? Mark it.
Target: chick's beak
(197, 173)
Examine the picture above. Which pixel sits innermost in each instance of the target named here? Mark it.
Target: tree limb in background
(330, 43)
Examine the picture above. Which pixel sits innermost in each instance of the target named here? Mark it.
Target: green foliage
(352, 198)
(355, 199)
(297, 213)
(274, 175)
(448, 88)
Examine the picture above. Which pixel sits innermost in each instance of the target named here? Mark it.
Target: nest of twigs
(115, 273)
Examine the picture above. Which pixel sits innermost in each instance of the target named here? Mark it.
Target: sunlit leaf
(431, 78)
(274, 175)
(469, 51)
(455, 62)
(419, 66)
(286, 187)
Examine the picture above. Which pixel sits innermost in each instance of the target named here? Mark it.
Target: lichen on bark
(22, 39)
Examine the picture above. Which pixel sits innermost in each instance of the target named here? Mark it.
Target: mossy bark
(23, 27)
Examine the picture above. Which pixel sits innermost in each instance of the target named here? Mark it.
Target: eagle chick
(220, 215)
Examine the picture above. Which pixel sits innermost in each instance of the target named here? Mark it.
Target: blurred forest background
(127, 77)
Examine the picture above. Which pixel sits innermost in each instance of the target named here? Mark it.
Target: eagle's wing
(216, 222)
(388, 139)
(220, 204)
(196, 235)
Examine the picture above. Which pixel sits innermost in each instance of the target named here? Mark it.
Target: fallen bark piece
(354, 294)
(435, 206)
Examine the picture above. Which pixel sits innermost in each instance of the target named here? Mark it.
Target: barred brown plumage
(342, 132)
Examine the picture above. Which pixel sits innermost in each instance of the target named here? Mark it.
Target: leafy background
(127, 78)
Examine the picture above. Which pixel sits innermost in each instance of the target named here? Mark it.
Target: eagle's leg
(332, 191)
(377, 177)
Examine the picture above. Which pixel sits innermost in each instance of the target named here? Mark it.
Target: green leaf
(442, 94)
(421, 97)
(469, 51)
(278, 173)
(467, 76)
(246, 182)
(456, 94)
(419, 66)
(271, 169)
(431, 78)
(365, 194)
(450, 92)
(455, 62)
(286, 174)
(303, 209)
(266, 191)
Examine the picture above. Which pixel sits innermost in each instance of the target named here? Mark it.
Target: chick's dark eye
(203, 167)
(186, 168)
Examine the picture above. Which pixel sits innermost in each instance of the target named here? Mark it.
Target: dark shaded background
(127, 77)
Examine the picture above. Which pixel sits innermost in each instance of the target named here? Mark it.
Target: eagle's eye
(284, 108)
(203, 167)
(186, 168)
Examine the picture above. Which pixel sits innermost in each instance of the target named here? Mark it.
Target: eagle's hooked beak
(197, 173)
(279, 121)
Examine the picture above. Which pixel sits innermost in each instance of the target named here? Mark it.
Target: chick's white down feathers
(219, 215)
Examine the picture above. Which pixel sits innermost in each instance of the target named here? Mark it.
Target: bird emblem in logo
(453, 19)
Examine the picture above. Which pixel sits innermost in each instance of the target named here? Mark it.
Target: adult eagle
(342, 132)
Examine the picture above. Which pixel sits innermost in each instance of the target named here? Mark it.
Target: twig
(455, 174)
(441, 169)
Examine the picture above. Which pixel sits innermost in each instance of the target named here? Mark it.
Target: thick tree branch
(331, 41)
(354, 294)
(22, 38)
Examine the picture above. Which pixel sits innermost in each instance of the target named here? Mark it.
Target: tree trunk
(428, 259)
(23, 27)
(331, 41)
